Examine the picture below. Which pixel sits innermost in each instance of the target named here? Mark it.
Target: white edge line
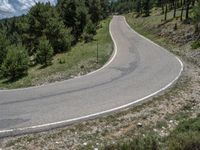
(114, 54)
(110, 110)
(182, 66)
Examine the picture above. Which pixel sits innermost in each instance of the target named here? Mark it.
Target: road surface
(138, 69)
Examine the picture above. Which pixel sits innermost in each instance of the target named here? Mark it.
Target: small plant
(175, 27)
(88, 37)
(161, 123)
(186, 135)
(146, 142)
(196, 44)
(61, 61)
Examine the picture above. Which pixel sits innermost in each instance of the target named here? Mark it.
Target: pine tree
(16, 62)
(3, 45)
(44, 20)
(74, 14)
(146, 8)
(89, 31)
(196, 16)
(44, 53)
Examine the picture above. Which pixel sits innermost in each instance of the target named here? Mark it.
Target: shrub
(88, 37)
(186, 136)
(61, 61)
(44, 53)
(185, 141)
(89, 32)
(196, 44)
(16, 62)
(147, 142)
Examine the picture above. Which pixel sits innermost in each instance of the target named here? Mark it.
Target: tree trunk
(187, 10)
(166, 9)
(197, 28)
(174, 8)
(193, 2)
(182, 9)
(162, 5)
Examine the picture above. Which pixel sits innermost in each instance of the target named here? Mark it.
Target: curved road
(138, 70)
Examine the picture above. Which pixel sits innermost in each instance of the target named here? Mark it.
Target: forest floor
(161, 117)
(80, 60)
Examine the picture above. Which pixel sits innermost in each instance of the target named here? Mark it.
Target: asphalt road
(139, 69)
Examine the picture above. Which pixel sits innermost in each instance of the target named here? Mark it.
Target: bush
(89, 32)
(88, 37)
(185, 141)
(16, 62)
(44, 53)
(147, 142)
(186, 136)
(196, 44)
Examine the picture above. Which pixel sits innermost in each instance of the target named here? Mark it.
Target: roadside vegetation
(185, 136)
(58, 42)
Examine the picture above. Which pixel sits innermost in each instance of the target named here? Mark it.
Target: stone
(139, 124)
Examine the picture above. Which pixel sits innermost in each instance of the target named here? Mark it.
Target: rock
(155, 130)
(139, 124)
(85, 144)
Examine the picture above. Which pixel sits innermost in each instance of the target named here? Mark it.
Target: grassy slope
(177, 41)
(82, 54)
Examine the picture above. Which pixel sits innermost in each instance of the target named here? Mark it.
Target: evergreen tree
(16, 62)
(104, 8)
(44, 52)
(95, 11)
(89, 32)
(3, 45)
(45, 20)
(138, 6)
(74, 14)
(146, 7)
(196, 16)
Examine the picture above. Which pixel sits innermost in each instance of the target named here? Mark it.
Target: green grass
(196, 44)
(80, 60)
(140, 142)
(144, 26)
(186, 135)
